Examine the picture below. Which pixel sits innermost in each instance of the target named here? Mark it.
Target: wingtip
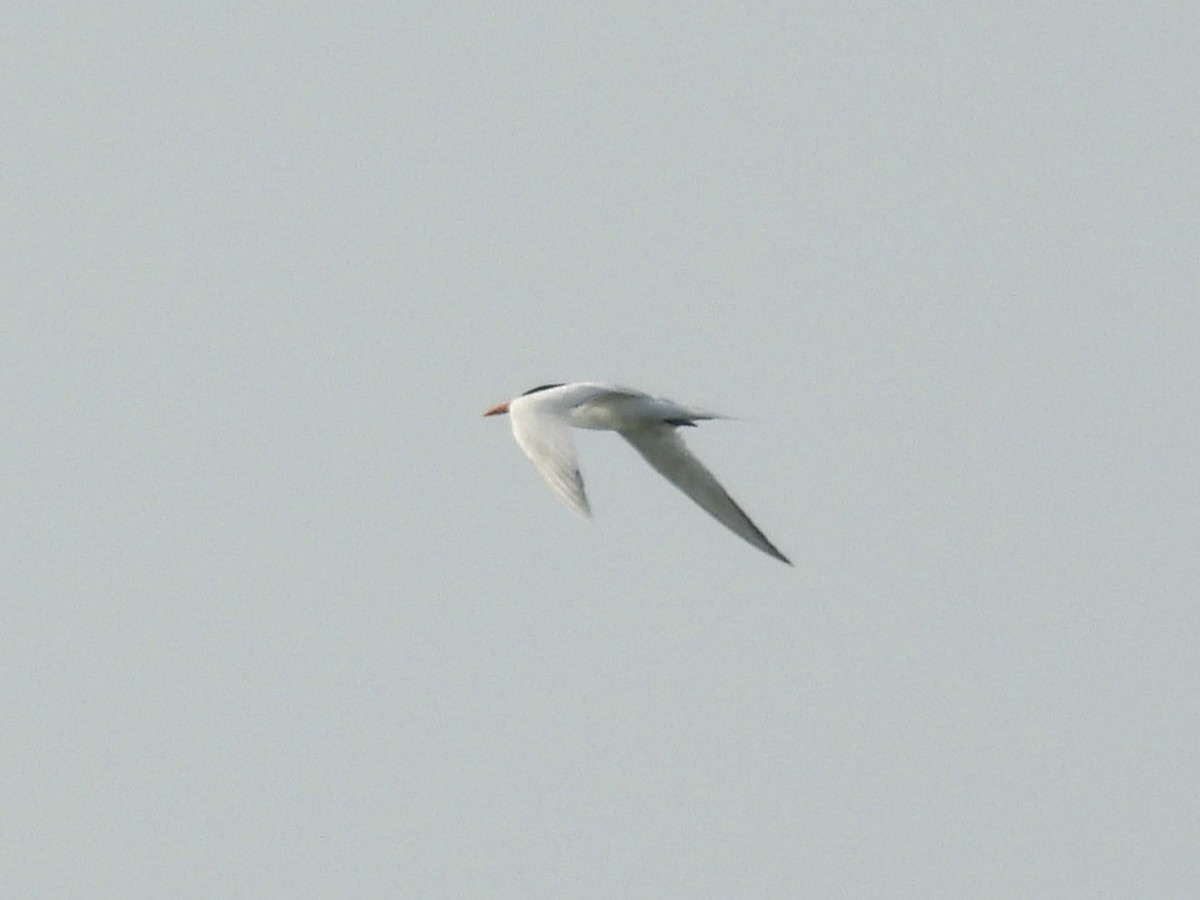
(770, 550)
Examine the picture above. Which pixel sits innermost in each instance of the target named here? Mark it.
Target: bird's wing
(664, 449)
(545, 437)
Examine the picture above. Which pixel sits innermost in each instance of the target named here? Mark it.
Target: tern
(542, 419)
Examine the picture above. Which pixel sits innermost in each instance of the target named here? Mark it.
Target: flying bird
(542, 419)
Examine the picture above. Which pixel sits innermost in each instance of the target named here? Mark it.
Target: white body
(542, 420)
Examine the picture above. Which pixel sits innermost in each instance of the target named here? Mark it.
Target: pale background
(283, 617)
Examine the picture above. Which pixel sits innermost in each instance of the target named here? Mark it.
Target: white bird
(541, 423)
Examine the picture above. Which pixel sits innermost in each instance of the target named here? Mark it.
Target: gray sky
(284, 617)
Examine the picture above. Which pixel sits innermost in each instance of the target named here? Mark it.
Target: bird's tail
(690, 415)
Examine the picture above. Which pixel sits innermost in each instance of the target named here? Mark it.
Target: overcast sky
(283, 616)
